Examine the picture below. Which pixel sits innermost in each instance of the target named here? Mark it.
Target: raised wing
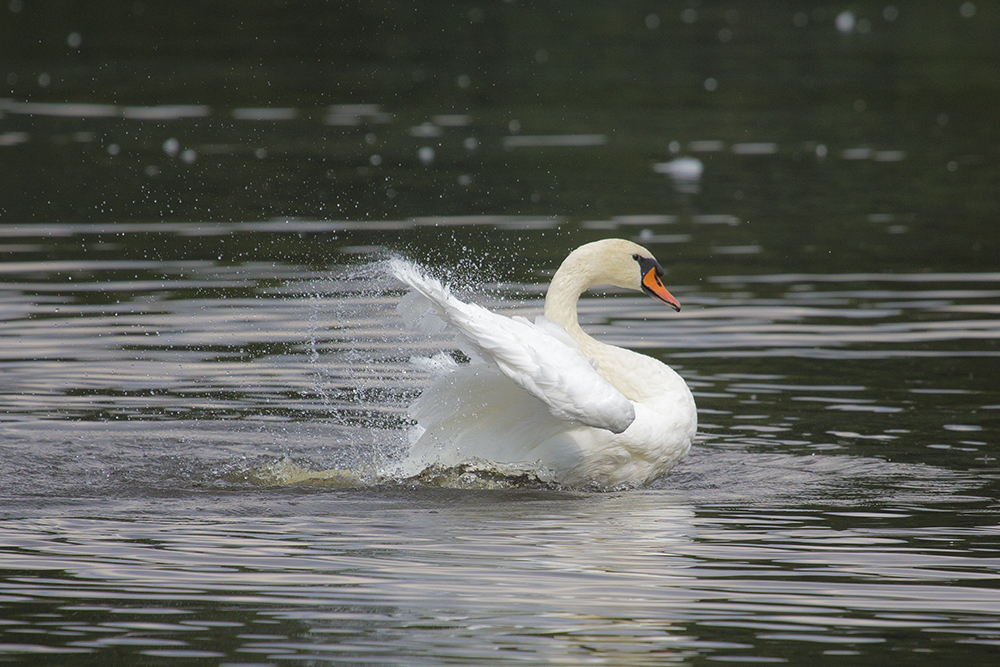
(539, 362)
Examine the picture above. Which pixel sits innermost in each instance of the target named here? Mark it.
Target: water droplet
(845, 22)
(171, 146)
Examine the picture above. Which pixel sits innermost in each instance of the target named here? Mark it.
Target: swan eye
(636, 257)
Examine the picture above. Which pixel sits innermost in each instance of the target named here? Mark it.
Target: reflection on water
(637, 579)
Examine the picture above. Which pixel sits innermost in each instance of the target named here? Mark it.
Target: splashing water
(371, 346)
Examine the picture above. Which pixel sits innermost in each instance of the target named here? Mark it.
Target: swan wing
(537, 361)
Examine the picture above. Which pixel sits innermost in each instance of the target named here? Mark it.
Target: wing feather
(541, 363)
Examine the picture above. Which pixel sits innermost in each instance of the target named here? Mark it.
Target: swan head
(616, 262)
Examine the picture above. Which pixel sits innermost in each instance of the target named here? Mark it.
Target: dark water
(194, 328)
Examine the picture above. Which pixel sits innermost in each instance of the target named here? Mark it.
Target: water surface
(194, 327)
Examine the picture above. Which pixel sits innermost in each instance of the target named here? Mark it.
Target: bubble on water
(114, 149)
(471, 144)
(464, 81)
(711, 84)
(426, 155)
(73, 40)
(189, 155)
(375, 160)
(514, 126)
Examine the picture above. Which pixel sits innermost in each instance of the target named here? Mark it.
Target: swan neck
(562, 297)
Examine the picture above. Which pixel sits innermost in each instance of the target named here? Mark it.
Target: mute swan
(546, 391)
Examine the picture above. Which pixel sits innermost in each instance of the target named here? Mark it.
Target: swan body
(546, 391)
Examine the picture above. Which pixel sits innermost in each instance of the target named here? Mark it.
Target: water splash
(366, 346)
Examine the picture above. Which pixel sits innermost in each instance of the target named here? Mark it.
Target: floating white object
(683, 168)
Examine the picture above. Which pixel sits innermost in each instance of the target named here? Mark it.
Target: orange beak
(652, 285)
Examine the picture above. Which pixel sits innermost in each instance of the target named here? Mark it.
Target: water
(194, 329)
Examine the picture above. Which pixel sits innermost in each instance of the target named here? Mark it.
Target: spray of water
(368, 345)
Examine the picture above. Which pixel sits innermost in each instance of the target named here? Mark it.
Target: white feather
(538, 362)
(544, 390)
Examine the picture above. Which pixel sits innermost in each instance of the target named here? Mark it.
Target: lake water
(196, 332)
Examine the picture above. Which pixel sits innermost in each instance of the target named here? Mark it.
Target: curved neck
(569, 282)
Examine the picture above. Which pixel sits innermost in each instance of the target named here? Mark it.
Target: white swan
(546, 391)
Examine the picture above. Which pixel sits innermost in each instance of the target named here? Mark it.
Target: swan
(545, 391)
